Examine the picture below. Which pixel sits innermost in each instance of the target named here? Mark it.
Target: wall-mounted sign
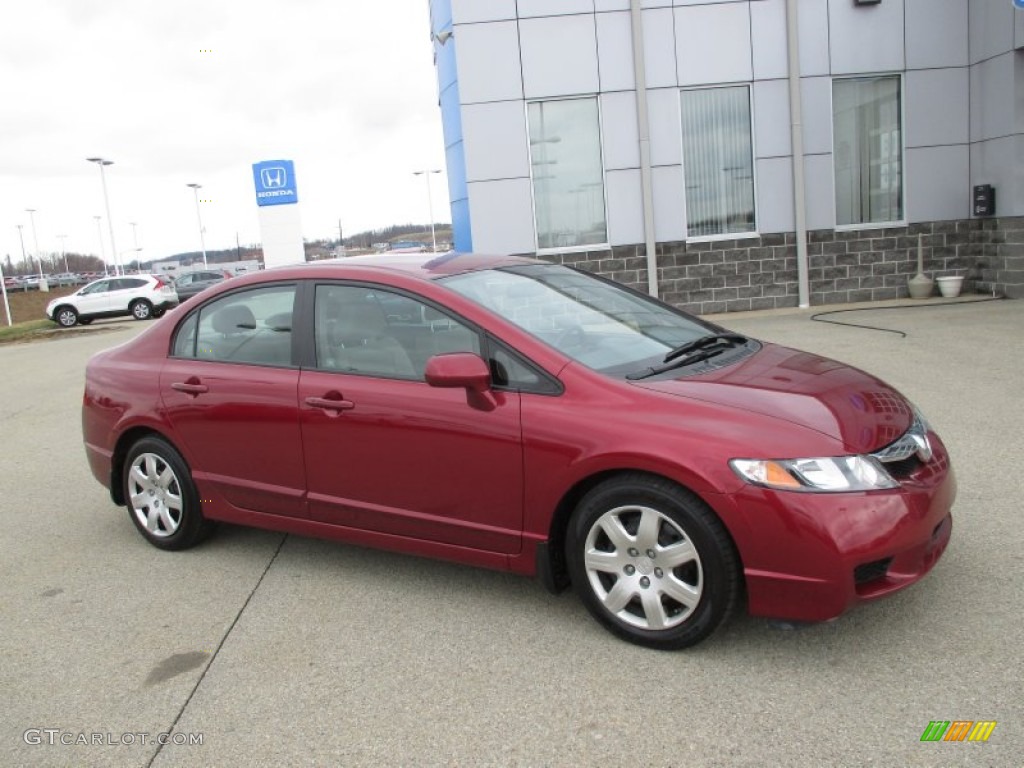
(275, 182)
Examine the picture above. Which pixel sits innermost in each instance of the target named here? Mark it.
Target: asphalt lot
(280, 650)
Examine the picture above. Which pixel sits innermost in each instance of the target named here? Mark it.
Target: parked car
(140, 296)
(191, 283)
(523, 416)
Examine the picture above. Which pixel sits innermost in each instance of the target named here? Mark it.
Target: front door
(387, 452)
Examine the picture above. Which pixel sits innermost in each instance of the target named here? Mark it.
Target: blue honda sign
(275, 182)
(1019, 4)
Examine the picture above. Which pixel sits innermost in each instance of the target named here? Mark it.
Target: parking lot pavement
(279, 650)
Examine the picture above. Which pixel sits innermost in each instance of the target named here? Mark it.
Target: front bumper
(812, 556)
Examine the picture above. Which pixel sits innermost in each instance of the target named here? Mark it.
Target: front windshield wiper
(711, 340)
(654, 370)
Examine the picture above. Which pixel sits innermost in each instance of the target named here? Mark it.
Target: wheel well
(59, 307)
(124, 444)
(554, 572)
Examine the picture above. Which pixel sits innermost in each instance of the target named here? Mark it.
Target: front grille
(868, 572)
(903, 469)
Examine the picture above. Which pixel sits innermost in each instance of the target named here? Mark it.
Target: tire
(652, 562)
(141, 309)
(66, 317)
(161, 497)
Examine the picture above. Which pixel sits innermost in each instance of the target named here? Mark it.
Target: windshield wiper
(654, 370)
(711, 340)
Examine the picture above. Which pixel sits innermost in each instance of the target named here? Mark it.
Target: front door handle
(336, 403)
(190, 387)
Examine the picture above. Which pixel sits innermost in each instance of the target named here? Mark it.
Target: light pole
(21, 238)
(199, 218)
(103, 253)
(63, 253)
(430, 204)
(35, 240)
(106, 202)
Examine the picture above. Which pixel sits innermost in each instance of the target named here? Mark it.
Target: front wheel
(161, 497)
(66, 317)
(141, 309)
(651, 562)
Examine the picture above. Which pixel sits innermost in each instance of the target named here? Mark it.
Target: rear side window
(253, 327)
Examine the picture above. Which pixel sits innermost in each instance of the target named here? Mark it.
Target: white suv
(141, 296)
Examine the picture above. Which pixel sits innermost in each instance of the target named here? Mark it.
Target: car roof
(427, 266)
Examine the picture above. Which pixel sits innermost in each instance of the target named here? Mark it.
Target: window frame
(606, 244)
(756, 231)
(902, 222)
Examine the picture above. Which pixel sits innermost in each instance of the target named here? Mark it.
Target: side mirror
(458, 369)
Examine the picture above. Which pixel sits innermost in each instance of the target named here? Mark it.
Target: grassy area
(27, 306)
(28, 313)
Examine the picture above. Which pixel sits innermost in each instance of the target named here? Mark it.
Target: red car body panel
(479, 477)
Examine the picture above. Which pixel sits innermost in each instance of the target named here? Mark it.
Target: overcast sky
(199, 90)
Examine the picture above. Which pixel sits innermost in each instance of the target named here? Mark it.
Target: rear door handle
(330, 403)
(190, 387)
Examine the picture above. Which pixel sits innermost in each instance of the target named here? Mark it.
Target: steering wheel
(573, 336)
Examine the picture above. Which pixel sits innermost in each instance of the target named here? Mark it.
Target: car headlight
(830, 475)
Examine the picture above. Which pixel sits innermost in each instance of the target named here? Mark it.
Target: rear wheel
(161, 497)
(141, 309)
(66, 317)
(652, 562)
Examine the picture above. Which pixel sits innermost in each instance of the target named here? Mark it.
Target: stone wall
(848, 266)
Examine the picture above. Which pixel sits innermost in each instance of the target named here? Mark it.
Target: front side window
(868, 150)
(718, 161)
(368, 331)
(568, 173)
(252, 327)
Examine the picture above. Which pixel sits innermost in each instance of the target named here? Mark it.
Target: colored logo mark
(958, 730)
(273, 177)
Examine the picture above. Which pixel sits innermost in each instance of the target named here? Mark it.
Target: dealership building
(740, 154)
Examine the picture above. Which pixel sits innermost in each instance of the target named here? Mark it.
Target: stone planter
(920, 286)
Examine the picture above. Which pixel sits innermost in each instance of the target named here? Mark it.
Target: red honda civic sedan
(527, 417)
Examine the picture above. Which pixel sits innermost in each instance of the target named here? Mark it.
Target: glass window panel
(868, 148)
(568, 173)
(248, 327)
(718, 161)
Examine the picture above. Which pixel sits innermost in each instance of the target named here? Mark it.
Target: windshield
(596, 322)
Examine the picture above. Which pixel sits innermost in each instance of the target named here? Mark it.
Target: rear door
(229, 390)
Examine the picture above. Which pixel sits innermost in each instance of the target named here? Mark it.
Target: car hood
(827, 396)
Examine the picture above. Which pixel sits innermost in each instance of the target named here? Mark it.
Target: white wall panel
(991, 26)
(494, 141)
(998, 162)
(713, 43)
(609, 5)
(775, 195)
(669, 203)
(663, 119)
(992, 105)
(865, 38)
(768, 37)
(816, 100)
(936, 33)
(559, 56)
(812, 27)
(625, 207)
(937, 103)
(615, 51)
(498, 45)
(619, 129)
(502, 216)
(528, 8)
(469, 11)
(938, 183)
(819, 192)
(659, 48)
(771, 118)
